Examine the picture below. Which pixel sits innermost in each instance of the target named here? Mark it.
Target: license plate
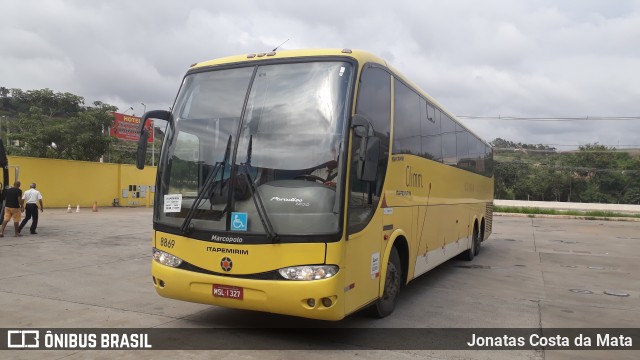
(229, 292)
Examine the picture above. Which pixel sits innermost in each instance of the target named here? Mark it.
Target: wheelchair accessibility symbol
(239, 221)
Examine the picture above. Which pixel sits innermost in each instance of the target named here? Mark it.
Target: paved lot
(92, 270)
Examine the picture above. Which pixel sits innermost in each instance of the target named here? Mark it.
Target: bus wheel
(476, 241)
(384, 305)
(469, 254)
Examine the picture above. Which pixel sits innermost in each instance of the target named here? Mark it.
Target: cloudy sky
(516, 58)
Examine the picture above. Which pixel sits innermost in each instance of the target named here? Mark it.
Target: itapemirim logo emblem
(226, 264)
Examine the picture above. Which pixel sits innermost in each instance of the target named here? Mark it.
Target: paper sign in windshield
(172, 203)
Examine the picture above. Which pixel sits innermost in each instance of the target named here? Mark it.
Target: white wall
(569, 206)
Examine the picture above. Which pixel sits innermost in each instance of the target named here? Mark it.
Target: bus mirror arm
(4, 163)
(141, 152)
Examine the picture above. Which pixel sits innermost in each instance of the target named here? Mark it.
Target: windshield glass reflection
(290, 143)
(291, 136)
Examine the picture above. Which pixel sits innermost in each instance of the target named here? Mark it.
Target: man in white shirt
(31, 198)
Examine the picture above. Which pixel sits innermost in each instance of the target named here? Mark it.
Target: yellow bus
(312, 183)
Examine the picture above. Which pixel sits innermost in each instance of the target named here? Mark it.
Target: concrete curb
(576, 217)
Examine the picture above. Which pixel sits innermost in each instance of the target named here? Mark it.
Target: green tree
(58, 125)
(632, 196)
(63, 129)
(595, 173)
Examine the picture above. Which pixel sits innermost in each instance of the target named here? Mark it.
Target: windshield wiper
(257, 200)
(227, 153)
(207, 183)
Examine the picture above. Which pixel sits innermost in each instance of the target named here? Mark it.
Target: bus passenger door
(365, 240)
(364, 225)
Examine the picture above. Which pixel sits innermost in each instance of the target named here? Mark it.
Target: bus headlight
(166, 258)
(308, 272)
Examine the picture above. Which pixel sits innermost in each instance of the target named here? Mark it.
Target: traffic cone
(69, 209)
(78, 208)
(95, 206)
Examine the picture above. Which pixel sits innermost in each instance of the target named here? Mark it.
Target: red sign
(127, 127)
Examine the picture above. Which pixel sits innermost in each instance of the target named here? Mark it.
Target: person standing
(14, 206)
(31, 198)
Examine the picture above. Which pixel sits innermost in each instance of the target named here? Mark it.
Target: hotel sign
(126, 127)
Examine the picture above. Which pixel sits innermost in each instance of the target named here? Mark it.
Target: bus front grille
(269, 275)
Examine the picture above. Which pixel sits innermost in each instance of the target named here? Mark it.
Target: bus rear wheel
(385, 305)
(474, 250)
(477, 241)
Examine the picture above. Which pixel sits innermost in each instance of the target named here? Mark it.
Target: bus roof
(361, 56)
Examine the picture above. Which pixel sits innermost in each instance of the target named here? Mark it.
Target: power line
(557, 167)
(556, 151)
(552, 118)
(618, 145)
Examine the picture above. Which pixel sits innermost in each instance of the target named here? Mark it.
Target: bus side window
(373, 102)
(407, 118)
(431, 133)
(449, 146)
(462, 150)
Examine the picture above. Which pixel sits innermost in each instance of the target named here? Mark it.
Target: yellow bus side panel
(402, 218)
(363, 263)
(444, 200)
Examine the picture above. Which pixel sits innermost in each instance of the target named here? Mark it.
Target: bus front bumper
(307, 299)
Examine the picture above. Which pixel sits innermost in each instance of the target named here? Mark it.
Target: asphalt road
(92, 270)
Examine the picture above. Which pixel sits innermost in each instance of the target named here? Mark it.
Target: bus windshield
(284, 125)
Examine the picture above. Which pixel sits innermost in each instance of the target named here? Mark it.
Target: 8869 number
(168, 243)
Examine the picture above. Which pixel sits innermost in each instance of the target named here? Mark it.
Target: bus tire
(470, 253)
(385, 305)
(477, 241)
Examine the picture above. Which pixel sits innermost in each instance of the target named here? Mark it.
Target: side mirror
(369, 149)
(360, 125)
(141, 152)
